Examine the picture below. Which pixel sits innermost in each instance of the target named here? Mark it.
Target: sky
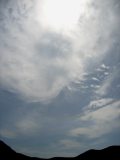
(59, 75)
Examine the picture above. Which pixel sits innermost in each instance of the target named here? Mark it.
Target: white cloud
(106, 73)
(103, 90)
(104, 66)
(100, 103)
(37, 63)
(107, 83)
(107, 113)
(95, 79)
(94, 86)
(101, 121)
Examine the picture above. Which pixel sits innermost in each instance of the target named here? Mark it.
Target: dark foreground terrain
(110, 153)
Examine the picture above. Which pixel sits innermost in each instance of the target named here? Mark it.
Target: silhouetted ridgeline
(110, 153)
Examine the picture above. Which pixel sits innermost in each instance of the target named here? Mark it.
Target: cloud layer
(59, 87)
(38, 63)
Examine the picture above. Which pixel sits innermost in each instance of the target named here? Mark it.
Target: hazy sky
(59, 75)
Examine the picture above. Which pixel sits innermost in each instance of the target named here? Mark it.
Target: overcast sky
(59, 75)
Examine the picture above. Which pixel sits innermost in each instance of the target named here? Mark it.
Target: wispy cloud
(95, 104)
(27, 126)
(37, 63)
(103, 89)
(101, 121)
(106, 85)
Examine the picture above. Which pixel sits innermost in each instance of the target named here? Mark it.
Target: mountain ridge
(109, 153)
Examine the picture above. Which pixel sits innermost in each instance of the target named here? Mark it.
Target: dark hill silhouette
(110, 153)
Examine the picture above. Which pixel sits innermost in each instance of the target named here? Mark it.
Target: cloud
(101, 121)
(21, 121)
(69, 144)
(104, 66)
(108, 82)
(38, 63)
(7, 133)
(27, 126)
(100, 103)
(103, 90)
(95, 79)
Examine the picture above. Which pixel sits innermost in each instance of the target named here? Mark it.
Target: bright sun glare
(62, 14)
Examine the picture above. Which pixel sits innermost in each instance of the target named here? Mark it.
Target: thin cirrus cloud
(36, 62)
(108, 82)
(59, 84)
(101, 121)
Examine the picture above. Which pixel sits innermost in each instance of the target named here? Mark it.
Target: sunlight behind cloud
(44, 53)
(59, 76)
(61, 14)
